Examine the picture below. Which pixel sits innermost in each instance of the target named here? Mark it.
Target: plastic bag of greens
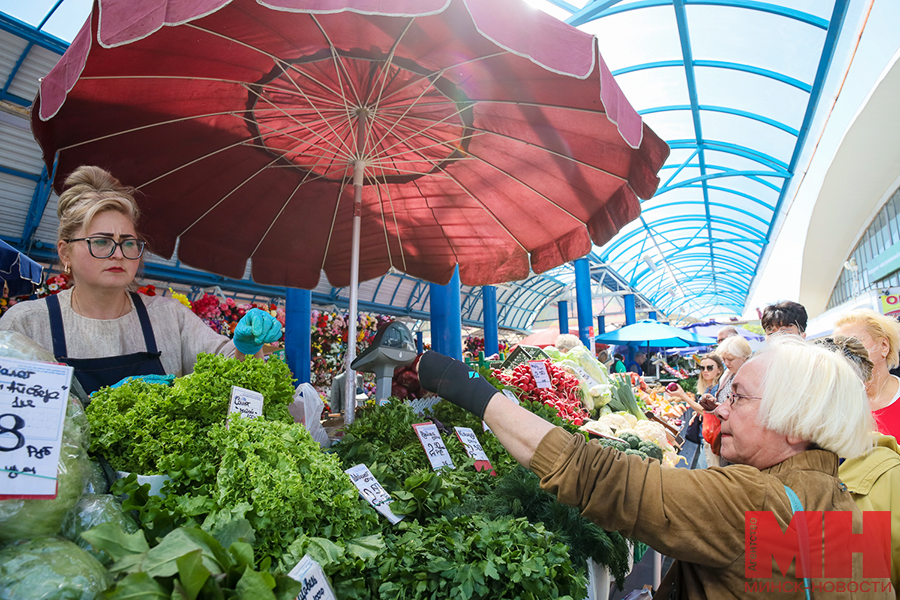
(50, 568)
(24, 519)
(90, 511)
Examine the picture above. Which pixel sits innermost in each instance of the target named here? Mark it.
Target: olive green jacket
(874, 484)
(698, 516)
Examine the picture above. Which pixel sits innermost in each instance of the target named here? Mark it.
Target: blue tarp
(19, 272)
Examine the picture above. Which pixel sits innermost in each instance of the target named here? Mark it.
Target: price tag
(311, 576)
(371, 490)
(33, 400)
(471, 443)
(434, 446)
(247, 403)
(585, 377)
(511, 396)
(541, 376)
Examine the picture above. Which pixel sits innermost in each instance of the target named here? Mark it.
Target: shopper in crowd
(711, 370)
(873, 480)
(784, 317)
(880, 335)
(618, 364)
(734, 351)
(698, 517)
(725, 332)
(637, 365)
(99, 327)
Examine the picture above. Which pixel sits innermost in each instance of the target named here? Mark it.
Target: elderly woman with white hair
(793, 409)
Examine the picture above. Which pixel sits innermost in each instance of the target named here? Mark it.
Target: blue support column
(298, 332)
(651, 315)
(420, 342)
(583, 300)
(489, 314)
(601, 324)
(563, 307)
(630, 319)
(446, 318)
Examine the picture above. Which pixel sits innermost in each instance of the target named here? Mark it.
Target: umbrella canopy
(482, 133)
(541, 339)
(655, 334)
(18, 272)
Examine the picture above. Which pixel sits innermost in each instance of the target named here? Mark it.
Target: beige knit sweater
(180, 334)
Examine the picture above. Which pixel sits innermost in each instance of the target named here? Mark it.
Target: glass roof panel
(623, 37)
(780, 44)
(752, 93)
(650, 88)
(671, 124)
(747, 132)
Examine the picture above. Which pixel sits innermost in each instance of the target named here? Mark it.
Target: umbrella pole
(359, 167)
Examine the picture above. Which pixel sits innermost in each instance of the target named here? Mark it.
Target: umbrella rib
(337, 149)
(283, 207)
(338, 69)
(522, 183)
(393, 216)
(337, 206)
(473, 197)
(415, 132)
(224, 198)
(385, 70)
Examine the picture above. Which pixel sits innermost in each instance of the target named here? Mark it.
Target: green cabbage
(49, 568)
(90, 511)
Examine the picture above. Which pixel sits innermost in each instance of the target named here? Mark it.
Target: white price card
(434, 446)
(541, 376)
(585, 377)
(33, 401)
(471, 443)
(311, 576)
(371, 490)
(247, 403)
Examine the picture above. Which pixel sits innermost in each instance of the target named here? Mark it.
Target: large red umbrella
(425, 133)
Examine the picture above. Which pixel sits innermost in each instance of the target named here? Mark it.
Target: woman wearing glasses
(711, 369)
(100, 328)
(793, 409)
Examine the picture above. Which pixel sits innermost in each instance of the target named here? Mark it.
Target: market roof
(731, 85)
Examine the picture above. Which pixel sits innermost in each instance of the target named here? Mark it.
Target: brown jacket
(697, 516)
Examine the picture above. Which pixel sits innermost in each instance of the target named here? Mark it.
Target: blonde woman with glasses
(100, 328)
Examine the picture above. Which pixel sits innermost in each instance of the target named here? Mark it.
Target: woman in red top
(881, 337)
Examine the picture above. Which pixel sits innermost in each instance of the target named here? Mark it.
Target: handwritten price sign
(371, 490)
(434, 446)
(541, 376)
(311, 576)
(247, 403)
(33, 400)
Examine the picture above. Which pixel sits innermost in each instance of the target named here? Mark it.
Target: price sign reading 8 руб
(33, 400)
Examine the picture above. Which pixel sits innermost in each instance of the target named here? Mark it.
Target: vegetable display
(564, 394)
(49, 567)
(142, 427)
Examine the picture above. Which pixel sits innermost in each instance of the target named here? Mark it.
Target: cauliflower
(596, 427)
(632, 420)
(615, 421)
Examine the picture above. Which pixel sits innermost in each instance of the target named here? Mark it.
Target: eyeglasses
(731, 398)
(772, 330)
(707, 367)
(104, 247)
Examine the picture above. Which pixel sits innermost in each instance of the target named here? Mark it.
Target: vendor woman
(99, 327)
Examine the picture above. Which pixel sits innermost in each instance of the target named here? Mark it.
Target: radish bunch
(564, 394)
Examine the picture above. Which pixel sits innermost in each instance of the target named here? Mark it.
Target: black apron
(95, 373)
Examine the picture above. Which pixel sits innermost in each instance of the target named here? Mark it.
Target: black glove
(454, 381)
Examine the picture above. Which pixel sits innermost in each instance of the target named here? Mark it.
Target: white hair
(736, 346)
(815, 395)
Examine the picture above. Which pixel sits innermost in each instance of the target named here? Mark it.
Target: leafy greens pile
(142, 428)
